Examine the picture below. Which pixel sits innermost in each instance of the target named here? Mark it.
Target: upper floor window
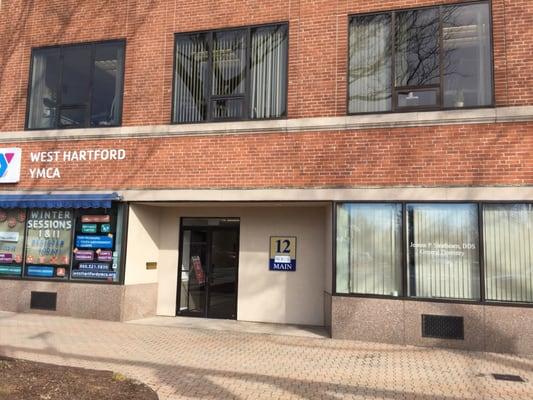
(231, 75)
(428, 58)
(76, 86)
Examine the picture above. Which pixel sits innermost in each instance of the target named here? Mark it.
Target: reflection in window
(76, 86)
(441, 58)
(370, 64)
(508, 239)
(466, 63)
(417, 47)
(236, 74)
(443, 251)
(369, 249)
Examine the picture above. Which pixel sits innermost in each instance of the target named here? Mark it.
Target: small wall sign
(282, 253)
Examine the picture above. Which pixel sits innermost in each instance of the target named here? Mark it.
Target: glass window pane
(418, 98)
(467, 55)
(48, 243)
(44, 89)
(370, 64)
(268, 73)
(442, 250)
(12, 224)
(227, 108)
(417, 48)
(76, 78)
(508, 240)
(107, 84)
(72, 117)
(97, 245)
(369, 249)
(229, 63)
(190, 91)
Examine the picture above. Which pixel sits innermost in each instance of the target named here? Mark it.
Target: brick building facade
(289, 176)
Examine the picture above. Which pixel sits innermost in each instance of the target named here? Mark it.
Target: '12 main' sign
(10, 160)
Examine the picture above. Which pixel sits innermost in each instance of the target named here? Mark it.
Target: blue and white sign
(41, 271)
(94, 242)
(282, 253)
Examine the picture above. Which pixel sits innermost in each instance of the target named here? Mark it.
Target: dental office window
(76, 86)
(231, 75)
(369, 248)
(508, 236)
(436, 251)
(443, 251)
(428, 58)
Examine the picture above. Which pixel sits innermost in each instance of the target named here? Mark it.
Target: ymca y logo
(10, 165)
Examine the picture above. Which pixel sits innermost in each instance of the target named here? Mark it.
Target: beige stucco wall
(263, 295)
(143, 244)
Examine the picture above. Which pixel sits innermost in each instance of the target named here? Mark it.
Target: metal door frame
(209, 243)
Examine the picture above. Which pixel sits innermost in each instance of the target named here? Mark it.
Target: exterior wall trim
(349, 122)
(489, 193)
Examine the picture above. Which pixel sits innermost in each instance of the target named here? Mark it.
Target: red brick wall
(318, 46)
(496, 154)
(446, 155)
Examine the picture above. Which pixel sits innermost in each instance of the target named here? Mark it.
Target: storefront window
(61, 244)
(96, 252)
(48, 243)
(12, 223)
(508, 241)
(443, 251)
(369, 249)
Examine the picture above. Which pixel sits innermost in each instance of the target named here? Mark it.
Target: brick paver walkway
(207, 364)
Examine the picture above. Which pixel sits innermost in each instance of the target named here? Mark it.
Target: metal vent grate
(43, 301)
(443, 327)
(510, 378)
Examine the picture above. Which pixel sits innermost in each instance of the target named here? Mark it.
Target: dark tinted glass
(466, 55)
(76, 79)
(417, 47)
(67, 82)
(107, 85)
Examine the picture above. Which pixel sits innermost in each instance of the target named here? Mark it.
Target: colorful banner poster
(104, 255)
(83, 255)
(94, 242)
(40, 271)
(89, 228)
(88, 274)
(10, 270)
(49, 236)
(11, 235)
(95, 218)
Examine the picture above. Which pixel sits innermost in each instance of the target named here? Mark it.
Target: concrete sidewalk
(185, 363)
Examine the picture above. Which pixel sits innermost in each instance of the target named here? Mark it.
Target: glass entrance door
(207, 277)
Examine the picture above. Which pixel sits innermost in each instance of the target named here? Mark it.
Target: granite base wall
(489, 328)
(103, 302)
